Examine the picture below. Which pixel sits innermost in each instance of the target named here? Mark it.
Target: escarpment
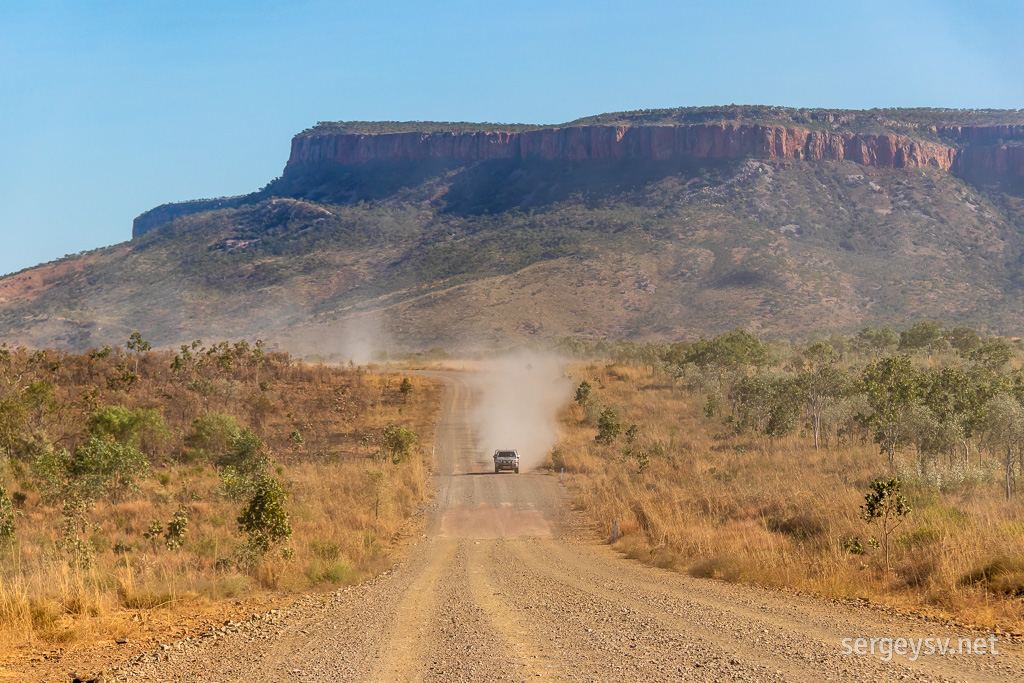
(986, 152)
(582, 143)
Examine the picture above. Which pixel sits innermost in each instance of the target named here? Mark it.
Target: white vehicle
(506, 460)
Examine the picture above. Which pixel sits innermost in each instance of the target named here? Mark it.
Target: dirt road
(502, 587)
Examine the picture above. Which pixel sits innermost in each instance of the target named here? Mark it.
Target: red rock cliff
(971, 150)
(705, 141)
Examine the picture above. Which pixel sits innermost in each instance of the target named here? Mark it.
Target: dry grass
(715, 503)
(346, 523)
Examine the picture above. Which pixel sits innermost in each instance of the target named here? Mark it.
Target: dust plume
(359, 338)
(363, 337)
(520, 396)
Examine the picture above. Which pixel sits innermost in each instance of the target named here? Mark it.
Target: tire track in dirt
(402, 655)
(528, 654)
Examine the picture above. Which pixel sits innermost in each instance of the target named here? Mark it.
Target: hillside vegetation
(898, 120)
(878, 466)
(501, 252)
(141, 487)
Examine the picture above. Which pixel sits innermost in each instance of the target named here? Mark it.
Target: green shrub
(397, 442)
(6, 517)
(174, 536)
(245, 454)
(328, 572)
(325, 550)
(264, 520)
(144, 428)
(235, 485)
(211, 435)
(583, 393)
(97, 467)
(608, 426)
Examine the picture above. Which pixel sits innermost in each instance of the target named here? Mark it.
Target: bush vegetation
(882, 465)
(133, 478)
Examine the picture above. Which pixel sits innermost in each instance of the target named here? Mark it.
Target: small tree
(822, 389)
(13, 424)
(234, 485)
(211, 435)
(264, 520)
(1004, 422)
(924, 334)
(377, 480)
(123, 378)
(176, 530)
(40, 399)
(246, 453)
(153, 532)
(608, 426)
(118, 467)
(397, 442)
(892, 386)
(822, 384)
(6, 517)
(139, 345)
(957, 399)
(583, 393)
(876, 341)
(885, 503)
(731, 350)
(768, 403)
(142, 428)
(994, 354)
(963, 339)
(405, 388)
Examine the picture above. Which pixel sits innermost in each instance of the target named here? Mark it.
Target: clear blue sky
(110, 108)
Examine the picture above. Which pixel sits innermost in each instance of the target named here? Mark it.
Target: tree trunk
(1020, 466)
(885, 540)
(1009, 467)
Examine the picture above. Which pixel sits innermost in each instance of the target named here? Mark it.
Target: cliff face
(708, 141)
(996, 150)
(988, 151)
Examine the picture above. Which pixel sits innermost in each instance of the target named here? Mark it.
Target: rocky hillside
(668, 223)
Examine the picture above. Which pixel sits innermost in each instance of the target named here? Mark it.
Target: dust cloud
(363, 337)
(360, 338)
(519, 399)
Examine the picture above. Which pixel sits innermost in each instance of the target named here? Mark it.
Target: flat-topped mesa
(982, 145)
(601, 142)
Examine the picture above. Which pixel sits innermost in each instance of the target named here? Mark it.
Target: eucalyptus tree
(822, 384)
(893, 387)
(1004, 422)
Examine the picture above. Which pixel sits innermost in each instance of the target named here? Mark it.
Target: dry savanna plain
(728, 509)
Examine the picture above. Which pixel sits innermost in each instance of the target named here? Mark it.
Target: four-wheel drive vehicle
(506, 460)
